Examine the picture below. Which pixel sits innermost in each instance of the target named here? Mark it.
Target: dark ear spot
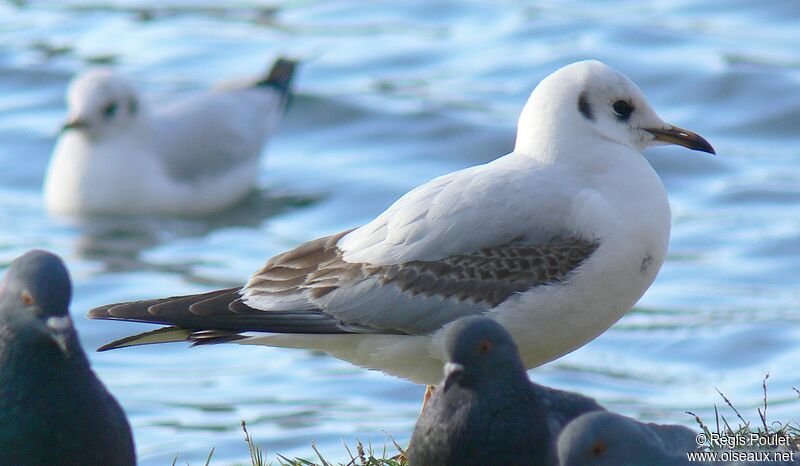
(27, 298)
(484, 346)
(599, 448)
(584, 107)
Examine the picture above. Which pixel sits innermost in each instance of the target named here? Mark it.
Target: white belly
(101, 179)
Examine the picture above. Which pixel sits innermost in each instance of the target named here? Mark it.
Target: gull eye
(623, 109)
(110, 110)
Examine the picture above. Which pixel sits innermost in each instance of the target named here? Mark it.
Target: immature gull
(187, 155)
(53, 409)
(603, 438)
(556, 241)
(486, 411)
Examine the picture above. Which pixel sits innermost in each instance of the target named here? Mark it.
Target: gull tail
(210, 318)
(280, 75)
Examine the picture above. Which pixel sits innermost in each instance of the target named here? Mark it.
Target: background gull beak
(74, 124)
(681, 137)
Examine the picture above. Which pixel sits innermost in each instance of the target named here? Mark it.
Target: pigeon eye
(623, 109)
(599, 448)
(110, 110)
(27, 298)
(484, 346)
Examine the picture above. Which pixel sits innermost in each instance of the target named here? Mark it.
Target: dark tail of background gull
(280, 75)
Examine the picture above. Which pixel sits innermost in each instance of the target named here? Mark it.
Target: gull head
(100, 102)
(591, 98)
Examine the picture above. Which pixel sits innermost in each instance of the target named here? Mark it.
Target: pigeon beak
(682, 137)
(452, 374)
(60, 331)
(76, 124)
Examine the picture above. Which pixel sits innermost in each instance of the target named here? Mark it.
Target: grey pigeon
(53, 409)
(604, 438)
(487, 411)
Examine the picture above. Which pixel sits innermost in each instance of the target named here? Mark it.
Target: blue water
(391, 95)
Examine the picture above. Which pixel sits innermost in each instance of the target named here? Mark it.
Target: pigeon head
(34, 297)
(479, 351)
(604, 438)
(100, 101)
(592, 98)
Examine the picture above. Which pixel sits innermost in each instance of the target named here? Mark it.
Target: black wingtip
(280, 75)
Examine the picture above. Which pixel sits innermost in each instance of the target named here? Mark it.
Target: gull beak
(452, 374)
(60, 331)
(76, 124)
(682, 137)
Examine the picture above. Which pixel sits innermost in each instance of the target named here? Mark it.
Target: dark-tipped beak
(452, 374)
(60, 330)
(74, 124)
(681, 137)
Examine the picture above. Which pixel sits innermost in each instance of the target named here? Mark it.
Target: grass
(773, 434)
(207, 463)
(362, 457)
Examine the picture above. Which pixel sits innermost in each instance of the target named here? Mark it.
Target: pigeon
(605, 438)
(486, 411)
(555, 241)
(188, 155)
(53, 409)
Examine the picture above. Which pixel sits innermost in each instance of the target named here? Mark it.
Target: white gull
(556, 241)
(185, 155)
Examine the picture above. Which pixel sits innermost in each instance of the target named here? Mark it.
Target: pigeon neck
(23, 355)
(505, 379)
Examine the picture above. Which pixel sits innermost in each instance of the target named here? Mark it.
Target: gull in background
(555, 241)
(190, 155)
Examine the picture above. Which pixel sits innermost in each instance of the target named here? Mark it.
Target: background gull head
(100, 102)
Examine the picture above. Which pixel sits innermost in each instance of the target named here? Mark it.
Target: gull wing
(443, 251)
(331, 295)
(211, 132)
